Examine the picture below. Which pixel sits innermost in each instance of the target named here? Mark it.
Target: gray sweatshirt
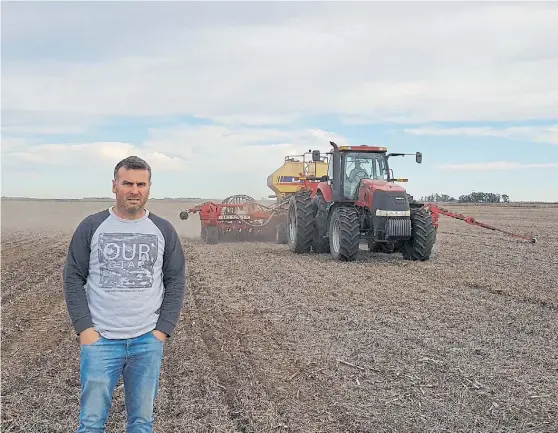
(124, 277)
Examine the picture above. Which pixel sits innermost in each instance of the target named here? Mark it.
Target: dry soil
(270, 341)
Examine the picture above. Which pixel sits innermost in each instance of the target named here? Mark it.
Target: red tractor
(357, 200)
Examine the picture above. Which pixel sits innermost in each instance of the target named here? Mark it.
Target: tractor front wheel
(344, 233)
(423, 236)
(300, 222)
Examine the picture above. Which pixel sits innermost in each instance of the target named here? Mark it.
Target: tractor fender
(327, 194)
(325, 190)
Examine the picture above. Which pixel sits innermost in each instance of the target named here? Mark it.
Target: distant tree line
(474, 197)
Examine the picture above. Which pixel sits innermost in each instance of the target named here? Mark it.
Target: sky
(214, 95)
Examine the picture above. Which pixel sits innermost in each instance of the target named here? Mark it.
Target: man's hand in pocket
(160, 335)
(89, 336)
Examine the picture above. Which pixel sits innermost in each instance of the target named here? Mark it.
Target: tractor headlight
(392, 213)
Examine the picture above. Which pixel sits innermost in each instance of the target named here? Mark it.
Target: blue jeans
(139, 361)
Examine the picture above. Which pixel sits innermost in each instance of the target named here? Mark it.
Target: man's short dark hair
(132, 163)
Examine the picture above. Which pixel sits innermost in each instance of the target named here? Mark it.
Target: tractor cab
(352, 164)
(358, 165)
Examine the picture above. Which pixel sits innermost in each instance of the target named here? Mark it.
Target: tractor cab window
(360, 166)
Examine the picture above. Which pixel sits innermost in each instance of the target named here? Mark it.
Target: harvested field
(270, 341)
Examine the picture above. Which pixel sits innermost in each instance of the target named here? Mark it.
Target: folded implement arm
(437, 211)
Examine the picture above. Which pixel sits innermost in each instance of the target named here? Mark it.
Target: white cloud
(364, 61)
(209, 161)
(91, 154)
(249, 120)
(45, 122)
(190, 149)
(543, 134)
(224, 149)
(497, 165)
(44, 130)
(11, 143)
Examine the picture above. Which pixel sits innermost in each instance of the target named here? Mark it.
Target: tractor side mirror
(419, 157)
(316, 155)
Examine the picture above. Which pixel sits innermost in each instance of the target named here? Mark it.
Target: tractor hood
(382, 185)
(385, 200)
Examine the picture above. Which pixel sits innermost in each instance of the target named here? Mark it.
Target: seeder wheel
(212, 236)
(282, 233)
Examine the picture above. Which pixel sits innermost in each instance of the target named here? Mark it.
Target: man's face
(132, 189)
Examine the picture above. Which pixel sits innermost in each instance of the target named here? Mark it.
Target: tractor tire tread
(349, 233)
(321, 240)
(305, 222)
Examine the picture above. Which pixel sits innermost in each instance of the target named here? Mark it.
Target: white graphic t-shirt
(125, 277)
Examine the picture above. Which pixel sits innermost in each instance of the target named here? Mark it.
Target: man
(124, 283)
(353, 179)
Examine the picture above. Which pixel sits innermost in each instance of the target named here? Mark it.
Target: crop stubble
(271, 341)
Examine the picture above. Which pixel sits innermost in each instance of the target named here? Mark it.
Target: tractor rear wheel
(344, 233)
(321, 240)
(300, 222)
(423, 236)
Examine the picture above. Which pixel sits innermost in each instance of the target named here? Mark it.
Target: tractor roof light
(363, 148)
